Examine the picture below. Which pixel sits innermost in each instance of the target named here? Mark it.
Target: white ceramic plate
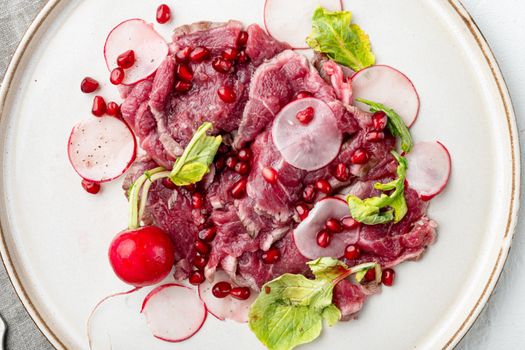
(55, 236)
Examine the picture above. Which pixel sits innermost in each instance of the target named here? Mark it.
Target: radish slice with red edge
(174, 312)
(101, 149)
(305, 235)
(227, 308)
(294, 29)
(149, 47)
(429, 166)
(307, 146)
(388, 86)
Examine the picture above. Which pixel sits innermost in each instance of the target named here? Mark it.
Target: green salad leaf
(195, 161)
(346, 43)
(386, 207)
(396, 125)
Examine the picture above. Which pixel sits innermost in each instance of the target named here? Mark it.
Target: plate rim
(514, 204)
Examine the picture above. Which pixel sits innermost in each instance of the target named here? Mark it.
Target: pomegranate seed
(88, 85)
(242, 39)
(302, 210)
(196, 277)
(199, 54)
(230, 54)
(190, 188)
(221, 289)
(117, 76)
(197, 201)
(183, 86)
(359, 157)
(168, 183)
(208, 234)
(113, 108)
(126, 60)
(184, 72)
(183, 55)
(241, 293)
(388, 277)
(375, 136)
(309, 194)
(349, 223)
(379, 119)
(303, 94)
(227, 94)
(199, 261)
(90, 186)
(231, 162)
(333, 225)
(323, 238)
(220, 163)
(242, 168)
(243, 57)
(245, 154)
(370, 275)
(306, 115)
(267, 289)
(221, 65)
(239, 189)
(352, 252)
(341, 172)
(270, 175)
(202, 247)
(323, 186)
(99, 106)
(271, 256)
(163, 14)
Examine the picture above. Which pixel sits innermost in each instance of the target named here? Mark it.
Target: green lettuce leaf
(195, 161)
(334, 35)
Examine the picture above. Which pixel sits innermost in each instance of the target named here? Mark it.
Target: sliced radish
(149, 47)
(282, 25)
(174, 312)
(429, 166)
(390, 87)
(101, 149)
(306, 232)
(307, 146)
(227, 308)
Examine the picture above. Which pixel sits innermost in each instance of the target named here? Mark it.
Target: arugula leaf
(344, 42)
(372, 211)
(396, 125)
(195, 161)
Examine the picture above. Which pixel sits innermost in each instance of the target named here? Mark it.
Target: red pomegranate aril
(197, 200)
(231, 162)
(221, 289)
(243, 57)
(242, 168)
(117, 76)
(99, 106)
(309, 193)
(333, 225)
(323, 186)
(199, 54)
(388, 277)
(375, 136)
(379, 120)
(271, 256)
(90, 186)
(242, 39)
(306, 115)
(303, 94)
(323, 238)
(126, 60)
(349, 223)
(241, 293)
(184, 72)
(342, 173)
(183, 86)
(113, 108)
(163, 14)
(220, 164)
(270, 175)
(239, 189)
(244, 154)
(352, 252)
(168, 183)
(199, 261)
(227, 94)
(88, 85)
(183, 55)
(302, 210)
(190, 188)
(360, 156)
(202, 247)
(208, 234)
(370, 275)
(230, 54)
(196, 277)
(221, 65)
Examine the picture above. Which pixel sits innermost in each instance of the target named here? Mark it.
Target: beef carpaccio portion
(254, 219)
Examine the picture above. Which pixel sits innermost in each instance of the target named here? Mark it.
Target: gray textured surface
(500, 325)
